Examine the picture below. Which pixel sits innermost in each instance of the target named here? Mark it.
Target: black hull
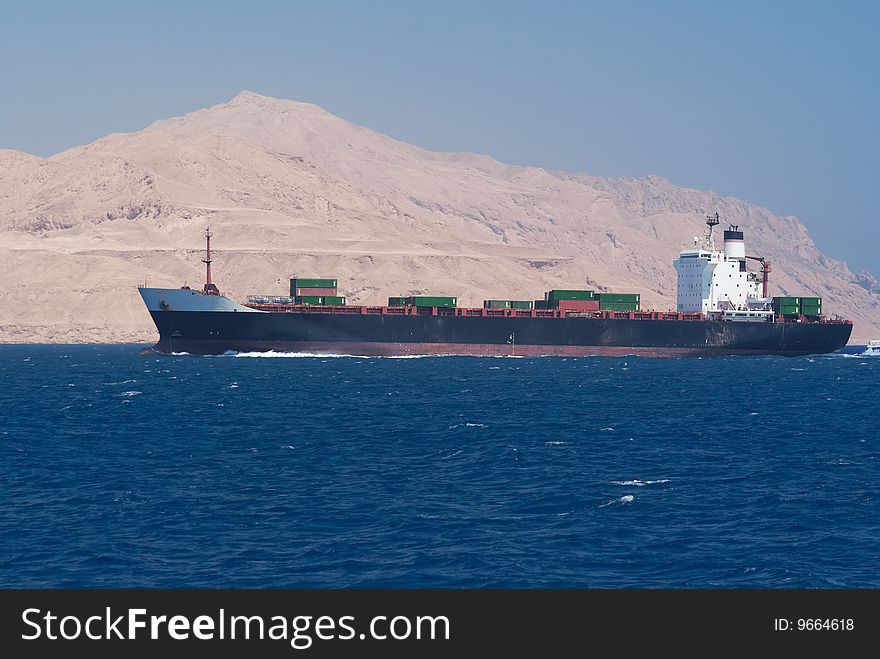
(212, 333)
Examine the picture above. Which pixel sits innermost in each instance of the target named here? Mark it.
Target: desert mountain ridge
(289, 189)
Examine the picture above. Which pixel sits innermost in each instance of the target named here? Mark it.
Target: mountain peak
(249, 99)
(246, 97)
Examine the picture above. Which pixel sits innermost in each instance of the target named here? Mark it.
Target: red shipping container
(315, 291)
(578, 305)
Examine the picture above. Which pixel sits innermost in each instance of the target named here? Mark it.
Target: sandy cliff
(290, 189)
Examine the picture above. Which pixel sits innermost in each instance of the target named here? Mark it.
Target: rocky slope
(289, 189)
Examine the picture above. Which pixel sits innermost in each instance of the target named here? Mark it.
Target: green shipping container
(811, 306)
(303, 282)
(787, 305)
(568, 294)
(496, 304)
(521, 304)
(541, 304)
(336, 300)
(431, 301)
(397, 302)
(309, 299)
(618, 306)
(617, 298)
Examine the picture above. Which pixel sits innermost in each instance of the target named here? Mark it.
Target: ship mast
(711, 222)
(210, 288)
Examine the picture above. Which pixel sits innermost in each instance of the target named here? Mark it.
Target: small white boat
(873, 348)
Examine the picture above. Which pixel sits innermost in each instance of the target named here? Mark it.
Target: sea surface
(124, 470)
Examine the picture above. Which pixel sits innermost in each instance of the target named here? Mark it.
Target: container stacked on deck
(811, 306)
(423, 301)
(789, 306)
(309, 290)
(571, 300)
(508, 304)
(619, 301)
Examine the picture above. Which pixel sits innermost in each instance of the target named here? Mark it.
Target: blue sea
(127, 470)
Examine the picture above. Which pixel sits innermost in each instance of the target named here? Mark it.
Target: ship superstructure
(712, 280)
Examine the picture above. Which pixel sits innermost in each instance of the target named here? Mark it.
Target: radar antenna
(712, 221)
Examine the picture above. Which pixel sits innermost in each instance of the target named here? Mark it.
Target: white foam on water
(475, 425)
(273, 353)
(178, 354)
(555, 443)
(283, 355)
(620, 501)
(300, 355)
(640, 483)
(607, 429)
(129, 394)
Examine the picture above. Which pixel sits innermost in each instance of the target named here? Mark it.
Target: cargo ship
(722, 309)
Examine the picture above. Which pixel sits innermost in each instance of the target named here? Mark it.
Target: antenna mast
(210, 288)
(711, 222)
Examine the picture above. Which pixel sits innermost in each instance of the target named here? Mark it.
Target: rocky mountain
(289, 189)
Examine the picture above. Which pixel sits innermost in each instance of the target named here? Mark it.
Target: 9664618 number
(814, 624)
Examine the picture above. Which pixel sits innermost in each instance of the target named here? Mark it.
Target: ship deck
(477, 312)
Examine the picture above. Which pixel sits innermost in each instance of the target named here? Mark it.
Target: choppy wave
(848, 355)
(620, 501)
(387, 484)
(640, 483)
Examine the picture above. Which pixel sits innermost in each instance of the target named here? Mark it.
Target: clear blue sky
(773, 102)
